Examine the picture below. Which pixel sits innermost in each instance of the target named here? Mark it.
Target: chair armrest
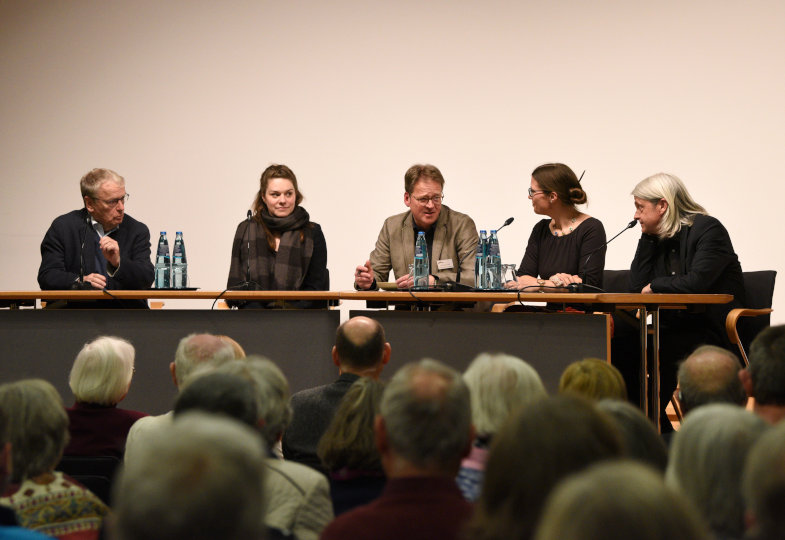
(731, 322)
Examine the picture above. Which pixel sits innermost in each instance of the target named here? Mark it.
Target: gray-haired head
(767, 366)
(498, 385)
(37, 426)
(618, 500)
(710, 375)
(706, 461)
(763, 485)
(427, 415)
(197, 350)
(681, 209)
(220, 393)
(200, 480)
(640, 437)
(272, 393)
(102, 371)
(93, 180)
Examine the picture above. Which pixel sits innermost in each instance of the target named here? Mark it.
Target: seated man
(97, 246)
(451, 236)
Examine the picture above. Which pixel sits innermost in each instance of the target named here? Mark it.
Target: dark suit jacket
(312, 411)
(61, 248)
(699, 260)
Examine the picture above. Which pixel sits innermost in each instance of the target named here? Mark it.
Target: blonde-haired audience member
(100, 379)
(594, 379)
(45, 500)
(619, 501)
(498, 384)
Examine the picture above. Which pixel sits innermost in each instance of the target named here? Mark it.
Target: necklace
(556, 232)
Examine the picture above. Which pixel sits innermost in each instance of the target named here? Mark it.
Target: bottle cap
(179, 232)
(163, 232)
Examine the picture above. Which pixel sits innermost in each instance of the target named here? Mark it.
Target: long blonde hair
(682, 208)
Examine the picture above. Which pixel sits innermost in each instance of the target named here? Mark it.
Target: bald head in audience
(361, 348)
(710, 375)
(196, 350)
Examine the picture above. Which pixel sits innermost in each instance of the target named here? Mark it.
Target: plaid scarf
(285, 269)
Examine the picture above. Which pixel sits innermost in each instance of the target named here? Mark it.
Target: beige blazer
(455, 238)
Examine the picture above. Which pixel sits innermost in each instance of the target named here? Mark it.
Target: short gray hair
(93, 180)
(706, 462)
(272, 390)
(102, 371)
(202, 479)
(428, 426)
(710, 375)
(37, 426)
(196, 350)
(763, 483)
(767, 366)
(681, 210)
(618, 500)
(499, 384)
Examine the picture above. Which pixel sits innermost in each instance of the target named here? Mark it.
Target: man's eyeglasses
(436, 200)
(113, 202)
(533, 191)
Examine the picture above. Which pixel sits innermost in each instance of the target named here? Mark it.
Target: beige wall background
(191, 100)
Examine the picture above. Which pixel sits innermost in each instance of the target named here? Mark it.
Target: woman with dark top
(100, 379)
(568, 247)
(348, 449)
(280, 248)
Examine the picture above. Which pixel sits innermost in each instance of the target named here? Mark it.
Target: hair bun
(577, 196)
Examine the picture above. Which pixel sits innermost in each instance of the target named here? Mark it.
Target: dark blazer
(312, 411)
(61, 249)
(699, 259)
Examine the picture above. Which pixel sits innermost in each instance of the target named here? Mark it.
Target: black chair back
(96, 473)
(759, 288)
(616, 281)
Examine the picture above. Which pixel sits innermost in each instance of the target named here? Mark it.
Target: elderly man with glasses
(98, 246)
(451, 236)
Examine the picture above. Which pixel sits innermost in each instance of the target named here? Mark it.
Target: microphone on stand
(579, 287)
(80, 285)
(506, 222)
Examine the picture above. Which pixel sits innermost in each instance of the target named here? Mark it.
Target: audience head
(238, 350)
(763, 486)
(37, 426)
(425, 419)
(618, 501)
(706, 462)
(348, 442)
(102, 371)
(499, 384)
(200, 480)
(594, 379)
(220, 393)
(360, 347)
(93, 180)
(538, 446)
(764, 378)
(667, 196)
(272, 391)
(640, 439)
(558, 179)
(710, 375)
(198, 350)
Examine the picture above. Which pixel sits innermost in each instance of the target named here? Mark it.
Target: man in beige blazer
(451, 236)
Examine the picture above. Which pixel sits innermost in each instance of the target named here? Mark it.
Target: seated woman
(280, 248)
(45, 500)
(100, 379)
(498, 384)
(570, 246)
(348, 450)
